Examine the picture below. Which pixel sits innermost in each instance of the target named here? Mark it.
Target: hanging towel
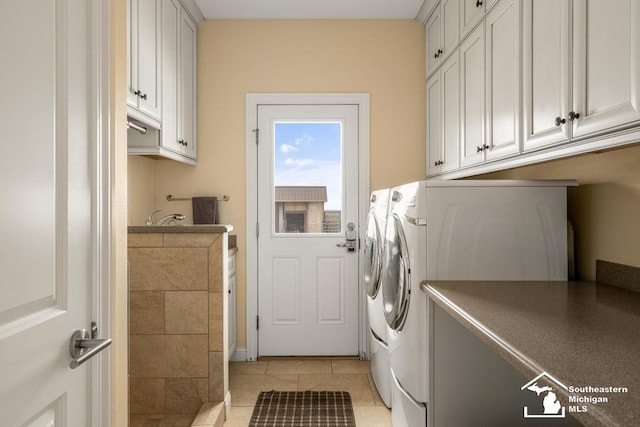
(205, 210)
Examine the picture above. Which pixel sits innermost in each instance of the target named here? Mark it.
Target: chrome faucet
(164, 220)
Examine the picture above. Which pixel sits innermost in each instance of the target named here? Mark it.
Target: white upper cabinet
(606, 65)
(434, 124)
(472, 92)
(433, 43)
(502, 37)
(443, 118)
(144, 69)
(171, 69)
(545, 72)
(589, 88)
(534, 75)
(471, 12)
(187, 86)
(441, 32)
(178, 82)
(174, 136)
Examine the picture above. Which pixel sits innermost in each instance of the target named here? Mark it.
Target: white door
(50, 223)
(307, 200)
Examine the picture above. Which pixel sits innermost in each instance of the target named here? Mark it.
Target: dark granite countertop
(204, 228)
(582, 333)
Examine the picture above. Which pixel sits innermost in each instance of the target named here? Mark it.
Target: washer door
(395, 280)
(372, 256)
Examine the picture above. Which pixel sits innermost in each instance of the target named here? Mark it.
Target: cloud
(298, 162)
(304, 139)
(286, 148)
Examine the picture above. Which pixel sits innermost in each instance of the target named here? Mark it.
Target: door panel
(606, 65)
(49, 246)
(307, 193)
(545, 72)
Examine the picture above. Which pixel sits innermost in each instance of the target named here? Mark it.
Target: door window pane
(308, 177)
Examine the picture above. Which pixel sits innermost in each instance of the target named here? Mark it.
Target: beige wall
(118, 398)
(604, 209)
(384, 58)
(142, 189)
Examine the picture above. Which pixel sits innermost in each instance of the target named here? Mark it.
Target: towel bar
(170, 198)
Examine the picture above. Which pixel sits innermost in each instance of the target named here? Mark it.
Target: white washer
(373, 248)
(460, 230)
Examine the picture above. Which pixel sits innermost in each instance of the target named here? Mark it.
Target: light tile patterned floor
(248, 379)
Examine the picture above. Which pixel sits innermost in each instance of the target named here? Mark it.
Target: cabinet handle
(438, 53)
(144, 96)
(485, 147)
(479, 149)
(136, 93)
(478, 3)
(560, 121)
(573, 115)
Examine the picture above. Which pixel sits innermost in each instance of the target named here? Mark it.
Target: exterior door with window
(53, 247)
(307, 205)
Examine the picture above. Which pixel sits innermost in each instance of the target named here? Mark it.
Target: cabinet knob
(479, 149)
(560, 121)
(478, 3)
(144, 96)
(573, 115)
(136, 92)
(485, 147)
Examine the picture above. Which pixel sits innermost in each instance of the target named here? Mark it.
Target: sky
(310, 153)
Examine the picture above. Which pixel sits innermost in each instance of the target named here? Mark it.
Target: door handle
(351, 235)
(83, 346)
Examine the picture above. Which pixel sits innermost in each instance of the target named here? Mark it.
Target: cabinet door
(187, 90)
(472, 83)
(606, 64)
(148, 57)
(434, 125)
(503, 80)
(450, 29)
(450, 83)
(170, 72)
(471, 11)
(432, 42)
(132, 53)
(545, 72)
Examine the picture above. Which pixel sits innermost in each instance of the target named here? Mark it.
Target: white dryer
(373, 248)
(460, 230)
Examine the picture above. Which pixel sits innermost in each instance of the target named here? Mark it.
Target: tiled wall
(176, 322)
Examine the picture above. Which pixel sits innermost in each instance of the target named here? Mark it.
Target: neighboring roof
(301, 194)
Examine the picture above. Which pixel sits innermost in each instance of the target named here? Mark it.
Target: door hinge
(257, 132)
(257, 230)
(257, 322)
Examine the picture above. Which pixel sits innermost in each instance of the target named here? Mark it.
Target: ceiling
(309, 9)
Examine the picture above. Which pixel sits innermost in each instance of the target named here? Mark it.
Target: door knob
(83, 346)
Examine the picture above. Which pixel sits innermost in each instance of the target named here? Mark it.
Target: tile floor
(248, 379)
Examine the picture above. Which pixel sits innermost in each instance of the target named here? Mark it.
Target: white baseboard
(240, 355)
